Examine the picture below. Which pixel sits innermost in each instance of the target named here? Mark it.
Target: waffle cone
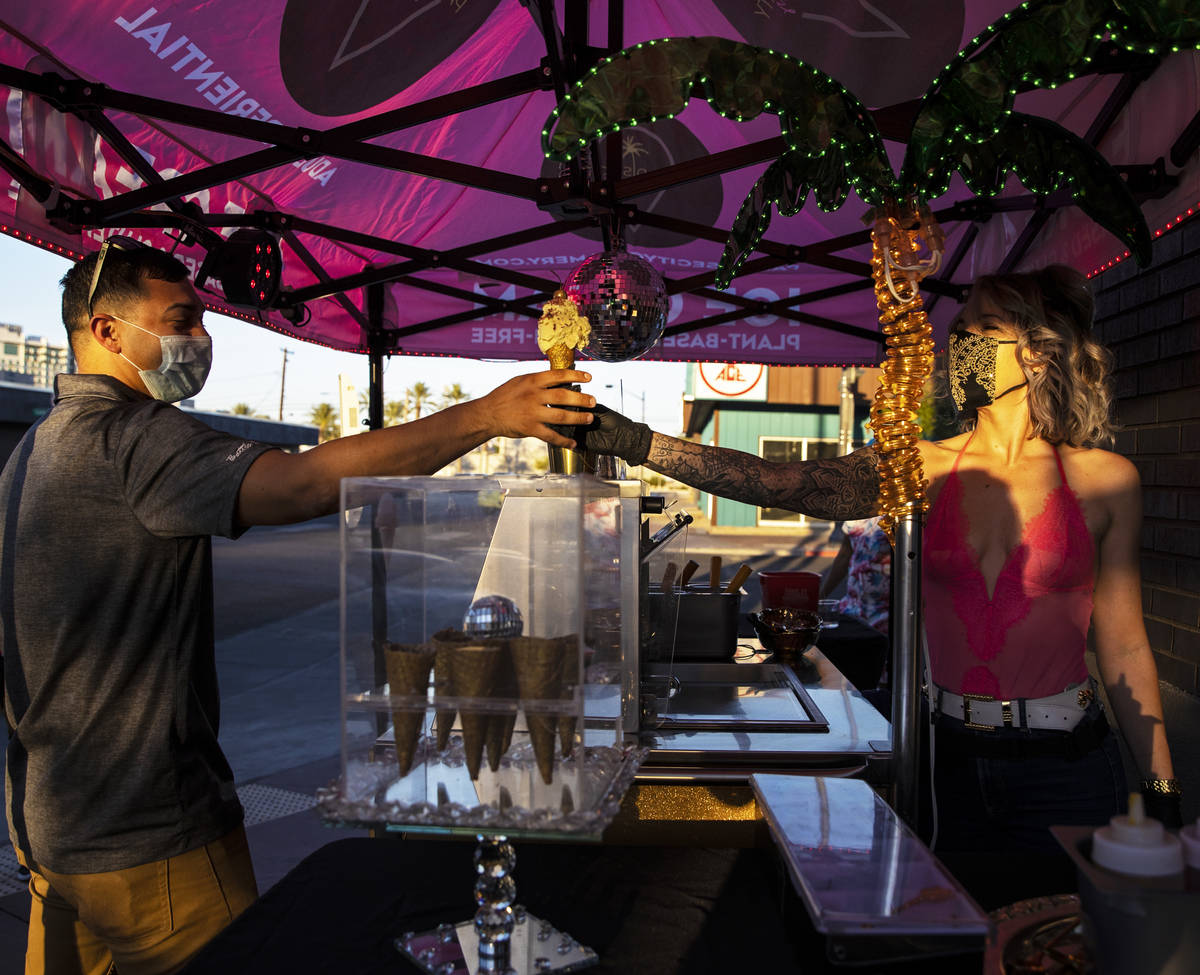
(539, 666)
(473, 674)
(567, 723)
(444, 641)
(560, 357)
(408, 667)
(500, 726)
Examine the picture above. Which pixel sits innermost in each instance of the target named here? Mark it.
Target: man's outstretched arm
(283, 488)
(832, 489)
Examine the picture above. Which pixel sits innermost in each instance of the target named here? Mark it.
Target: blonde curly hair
(1067, 369)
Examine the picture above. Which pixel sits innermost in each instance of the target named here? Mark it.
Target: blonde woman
(1032, 538)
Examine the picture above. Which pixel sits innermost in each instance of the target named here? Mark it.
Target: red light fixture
(249, 266)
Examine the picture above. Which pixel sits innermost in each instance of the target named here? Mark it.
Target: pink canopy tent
(396, 152)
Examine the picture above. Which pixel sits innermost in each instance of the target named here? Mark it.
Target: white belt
(1060, 712)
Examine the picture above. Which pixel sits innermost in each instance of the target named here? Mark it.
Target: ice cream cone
(473, 668)
(444, 641)
(539, 666)
(567, 723)
(560, 357)
(500, 726)
(408, 667)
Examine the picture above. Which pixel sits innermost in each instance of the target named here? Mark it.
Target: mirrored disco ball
(493, 616)
(624, 298)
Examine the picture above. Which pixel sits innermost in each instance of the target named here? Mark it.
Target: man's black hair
(120, 282)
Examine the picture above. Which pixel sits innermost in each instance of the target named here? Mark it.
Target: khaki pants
(146, 920)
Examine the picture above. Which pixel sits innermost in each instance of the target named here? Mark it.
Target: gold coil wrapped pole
(899, 235)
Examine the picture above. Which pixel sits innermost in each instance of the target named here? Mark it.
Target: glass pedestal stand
(502, 938)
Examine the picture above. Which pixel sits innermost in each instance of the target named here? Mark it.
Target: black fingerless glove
(612, 433)
(1163, 801)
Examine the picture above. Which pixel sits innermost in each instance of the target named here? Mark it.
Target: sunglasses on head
(120, 243)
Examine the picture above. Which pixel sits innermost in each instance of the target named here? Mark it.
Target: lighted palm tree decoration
(966, 124)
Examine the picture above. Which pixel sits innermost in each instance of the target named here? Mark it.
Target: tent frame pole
(906, 667)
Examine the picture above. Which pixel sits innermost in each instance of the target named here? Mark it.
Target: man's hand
(612, 433)
(528, 406)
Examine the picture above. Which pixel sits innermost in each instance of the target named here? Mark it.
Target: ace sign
(732, 380)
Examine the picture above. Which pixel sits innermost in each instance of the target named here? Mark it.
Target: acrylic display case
(481, 656)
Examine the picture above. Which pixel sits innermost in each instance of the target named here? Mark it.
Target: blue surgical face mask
(186, 360)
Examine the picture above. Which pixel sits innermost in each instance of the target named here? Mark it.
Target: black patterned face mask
(973, 370)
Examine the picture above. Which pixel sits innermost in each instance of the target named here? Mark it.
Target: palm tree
(966, 124)
(395, 412)
(419, 395)
(454, 394)
(325, 418)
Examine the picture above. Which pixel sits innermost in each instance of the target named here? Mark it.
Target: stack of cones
(567, 722)
(408, 667)
(444, 642)
(500, 726)
(474, 668)
(539, 663)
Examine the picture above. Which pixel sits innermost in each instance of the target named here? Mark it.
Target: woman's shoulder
(1097, 462)
(938, 456)
(1100, 473)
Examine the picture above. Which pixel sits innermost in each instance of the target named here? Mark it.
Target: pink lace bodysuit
(1028, 638)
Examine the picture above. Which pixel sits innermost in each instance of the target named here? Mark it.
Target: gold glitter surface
(657, 802)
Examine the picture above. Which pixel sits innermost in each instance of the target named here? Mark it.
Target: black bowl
(786, 632)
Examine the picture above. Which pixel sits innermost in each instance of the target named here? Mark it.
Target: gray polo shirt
(106, 625)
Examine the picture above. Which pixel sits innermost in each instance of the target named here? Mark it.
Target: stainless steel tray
(761, 697)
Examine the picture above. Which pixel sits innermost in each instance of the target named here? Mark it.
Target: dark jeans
(994, 814)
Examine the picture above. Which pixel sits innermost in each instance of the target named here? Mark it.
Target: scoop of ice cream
(561, 324)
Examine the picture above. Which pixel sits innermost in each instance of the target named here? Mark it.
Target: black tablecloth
(643, 909)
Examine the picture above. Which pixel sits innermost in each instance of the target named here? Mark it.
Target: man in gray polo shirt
(119, 799)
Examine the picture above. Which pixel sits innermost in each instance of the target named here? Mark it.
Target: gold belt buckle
(967, 699)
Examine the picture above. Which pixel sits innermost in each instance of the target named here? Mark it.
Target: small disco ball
(493, 616)
(624, 298)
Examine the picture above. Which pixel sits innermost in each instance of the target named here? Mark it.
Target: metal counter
(694, 787)
(844, 735)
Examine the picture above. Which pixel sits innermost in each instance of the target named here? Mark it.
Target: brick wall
(1151, 320)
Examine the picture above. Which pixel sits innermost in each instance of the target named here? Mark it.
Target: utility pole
(282, 380)
(846, 409)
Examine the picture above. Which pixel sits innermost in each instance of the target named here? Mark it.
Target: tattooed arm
(831, 489)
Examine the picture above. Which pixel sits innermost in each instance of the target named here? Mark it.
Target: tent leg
(906, 667)
(379, 611)
(376, 346)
